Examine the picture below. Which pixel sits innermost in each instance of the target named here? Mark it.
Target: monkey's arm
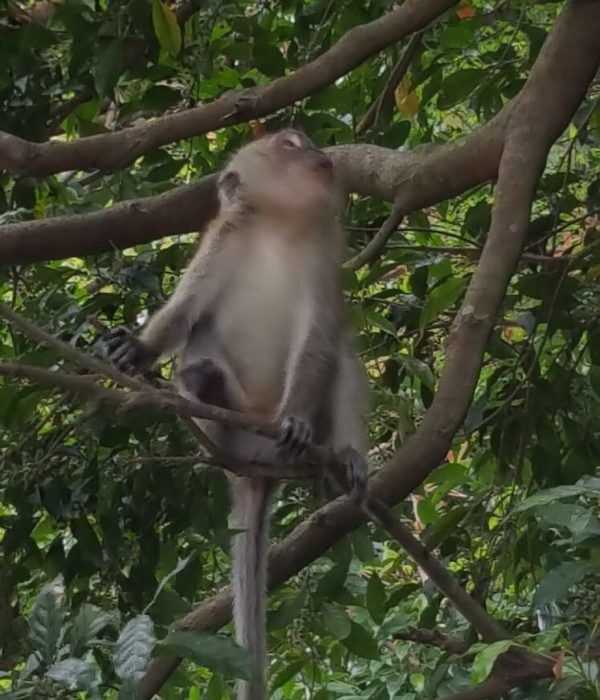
(192, 302)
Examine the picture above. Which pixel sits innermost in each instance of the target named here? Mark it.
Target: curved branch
(564, 68)
(117, 149)
(412, 180)
(376, 245)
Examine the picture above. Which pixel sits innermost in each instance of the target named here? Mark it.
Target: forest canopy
(466, 137)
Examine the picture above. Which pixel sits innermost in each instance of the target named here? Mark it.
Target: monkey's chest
(262, 323)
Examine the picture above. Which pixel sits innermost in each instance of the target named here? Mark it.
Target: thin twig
(398, 72)
(68, 352)
(433, 638)
(376, 245)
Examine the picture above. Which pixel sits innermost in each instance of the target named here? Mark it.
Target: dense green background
(83, 494)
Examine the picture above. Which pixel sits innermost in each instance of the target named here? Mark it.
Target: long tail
(251, 513)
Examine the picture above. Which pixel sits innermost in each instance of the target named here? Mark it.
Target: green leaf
(376, 598)
(426, 511)
(287, 611)
(75, 674)
(581, 522)
(133, 648)
(286, 674)
(332, 581)
(440, 299)
(86, 627)
(178, 568)
(45, 621)
(166, 28)
(556, 583)
(108, 68)
(219, 654)
(336, 620)
(548, 495)
(268, 59)
(445, 526)
(379, 321)
(362, 545)
(419, 369)
(459, 85)
(483, 663)
(85, 534)
(361, 643)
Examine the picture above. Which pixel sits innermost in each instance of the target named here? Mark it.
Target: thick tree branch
(559, 79)
(129, 223)
(117, 149)
(412, 180)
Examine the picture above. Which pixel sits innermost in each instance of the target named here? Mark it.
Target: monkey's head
(281, 172)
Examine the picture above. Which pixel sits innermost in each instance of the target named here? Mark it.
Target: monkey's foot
(356, 469)
(295, 435)
(206, 381)
(127, 352)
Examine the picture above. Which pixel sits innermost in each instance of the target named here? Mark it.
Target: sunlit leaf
(166, 28)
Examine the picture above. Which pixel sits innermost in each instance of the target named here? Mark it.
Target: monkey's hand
(356, 469)
(295, 435)
(128, 353)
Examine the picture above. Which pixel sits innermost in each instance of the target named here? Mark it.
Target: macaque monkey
(258, 319)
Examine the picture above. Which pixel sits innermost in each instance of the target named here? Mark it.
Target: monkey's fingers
(294, 437)
(113, 335)
(126, 357)
(356, 469)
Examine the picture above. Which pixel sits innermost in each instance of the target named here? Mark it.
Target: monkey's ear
(229, 183)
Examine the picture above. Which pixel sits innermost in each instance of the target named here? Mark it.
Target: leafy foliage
(139, 532)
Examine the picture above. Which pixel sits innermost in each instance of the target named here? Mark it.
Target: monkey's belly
(259, 330)
(257, 345)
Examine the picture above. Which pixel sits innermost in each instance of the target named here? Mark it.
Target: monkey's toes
(295, 435)
(356, 469)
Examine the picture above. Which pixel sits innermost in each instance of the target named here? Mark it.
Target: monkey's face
(282, 172)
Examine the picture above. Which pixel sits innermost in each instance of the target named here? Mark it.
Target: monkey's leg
(207, 382)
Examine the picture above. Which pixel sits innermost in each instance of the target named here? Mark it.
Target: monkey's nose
(322, 163)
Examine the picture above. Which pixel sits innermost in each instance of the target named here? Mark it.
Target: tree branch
(412, 180)
(117, 149)
(376, 245)
(129, 223)
(145, 396)
(564, 68)
(492, 687)
(471, 609)
(398, 72)
(432, 638)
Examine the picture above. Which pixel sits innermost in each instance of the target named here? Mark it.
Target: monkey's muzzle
(321, 163)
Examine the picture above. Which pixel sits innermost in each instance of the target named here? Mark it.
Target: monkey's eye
(292, 142)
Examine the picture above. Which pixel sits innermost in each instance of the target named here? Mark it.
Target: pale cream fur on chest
(266, 315)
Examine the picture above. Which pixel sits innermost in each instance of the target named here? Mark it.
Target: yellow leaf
(406, 98)
(166, 28)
